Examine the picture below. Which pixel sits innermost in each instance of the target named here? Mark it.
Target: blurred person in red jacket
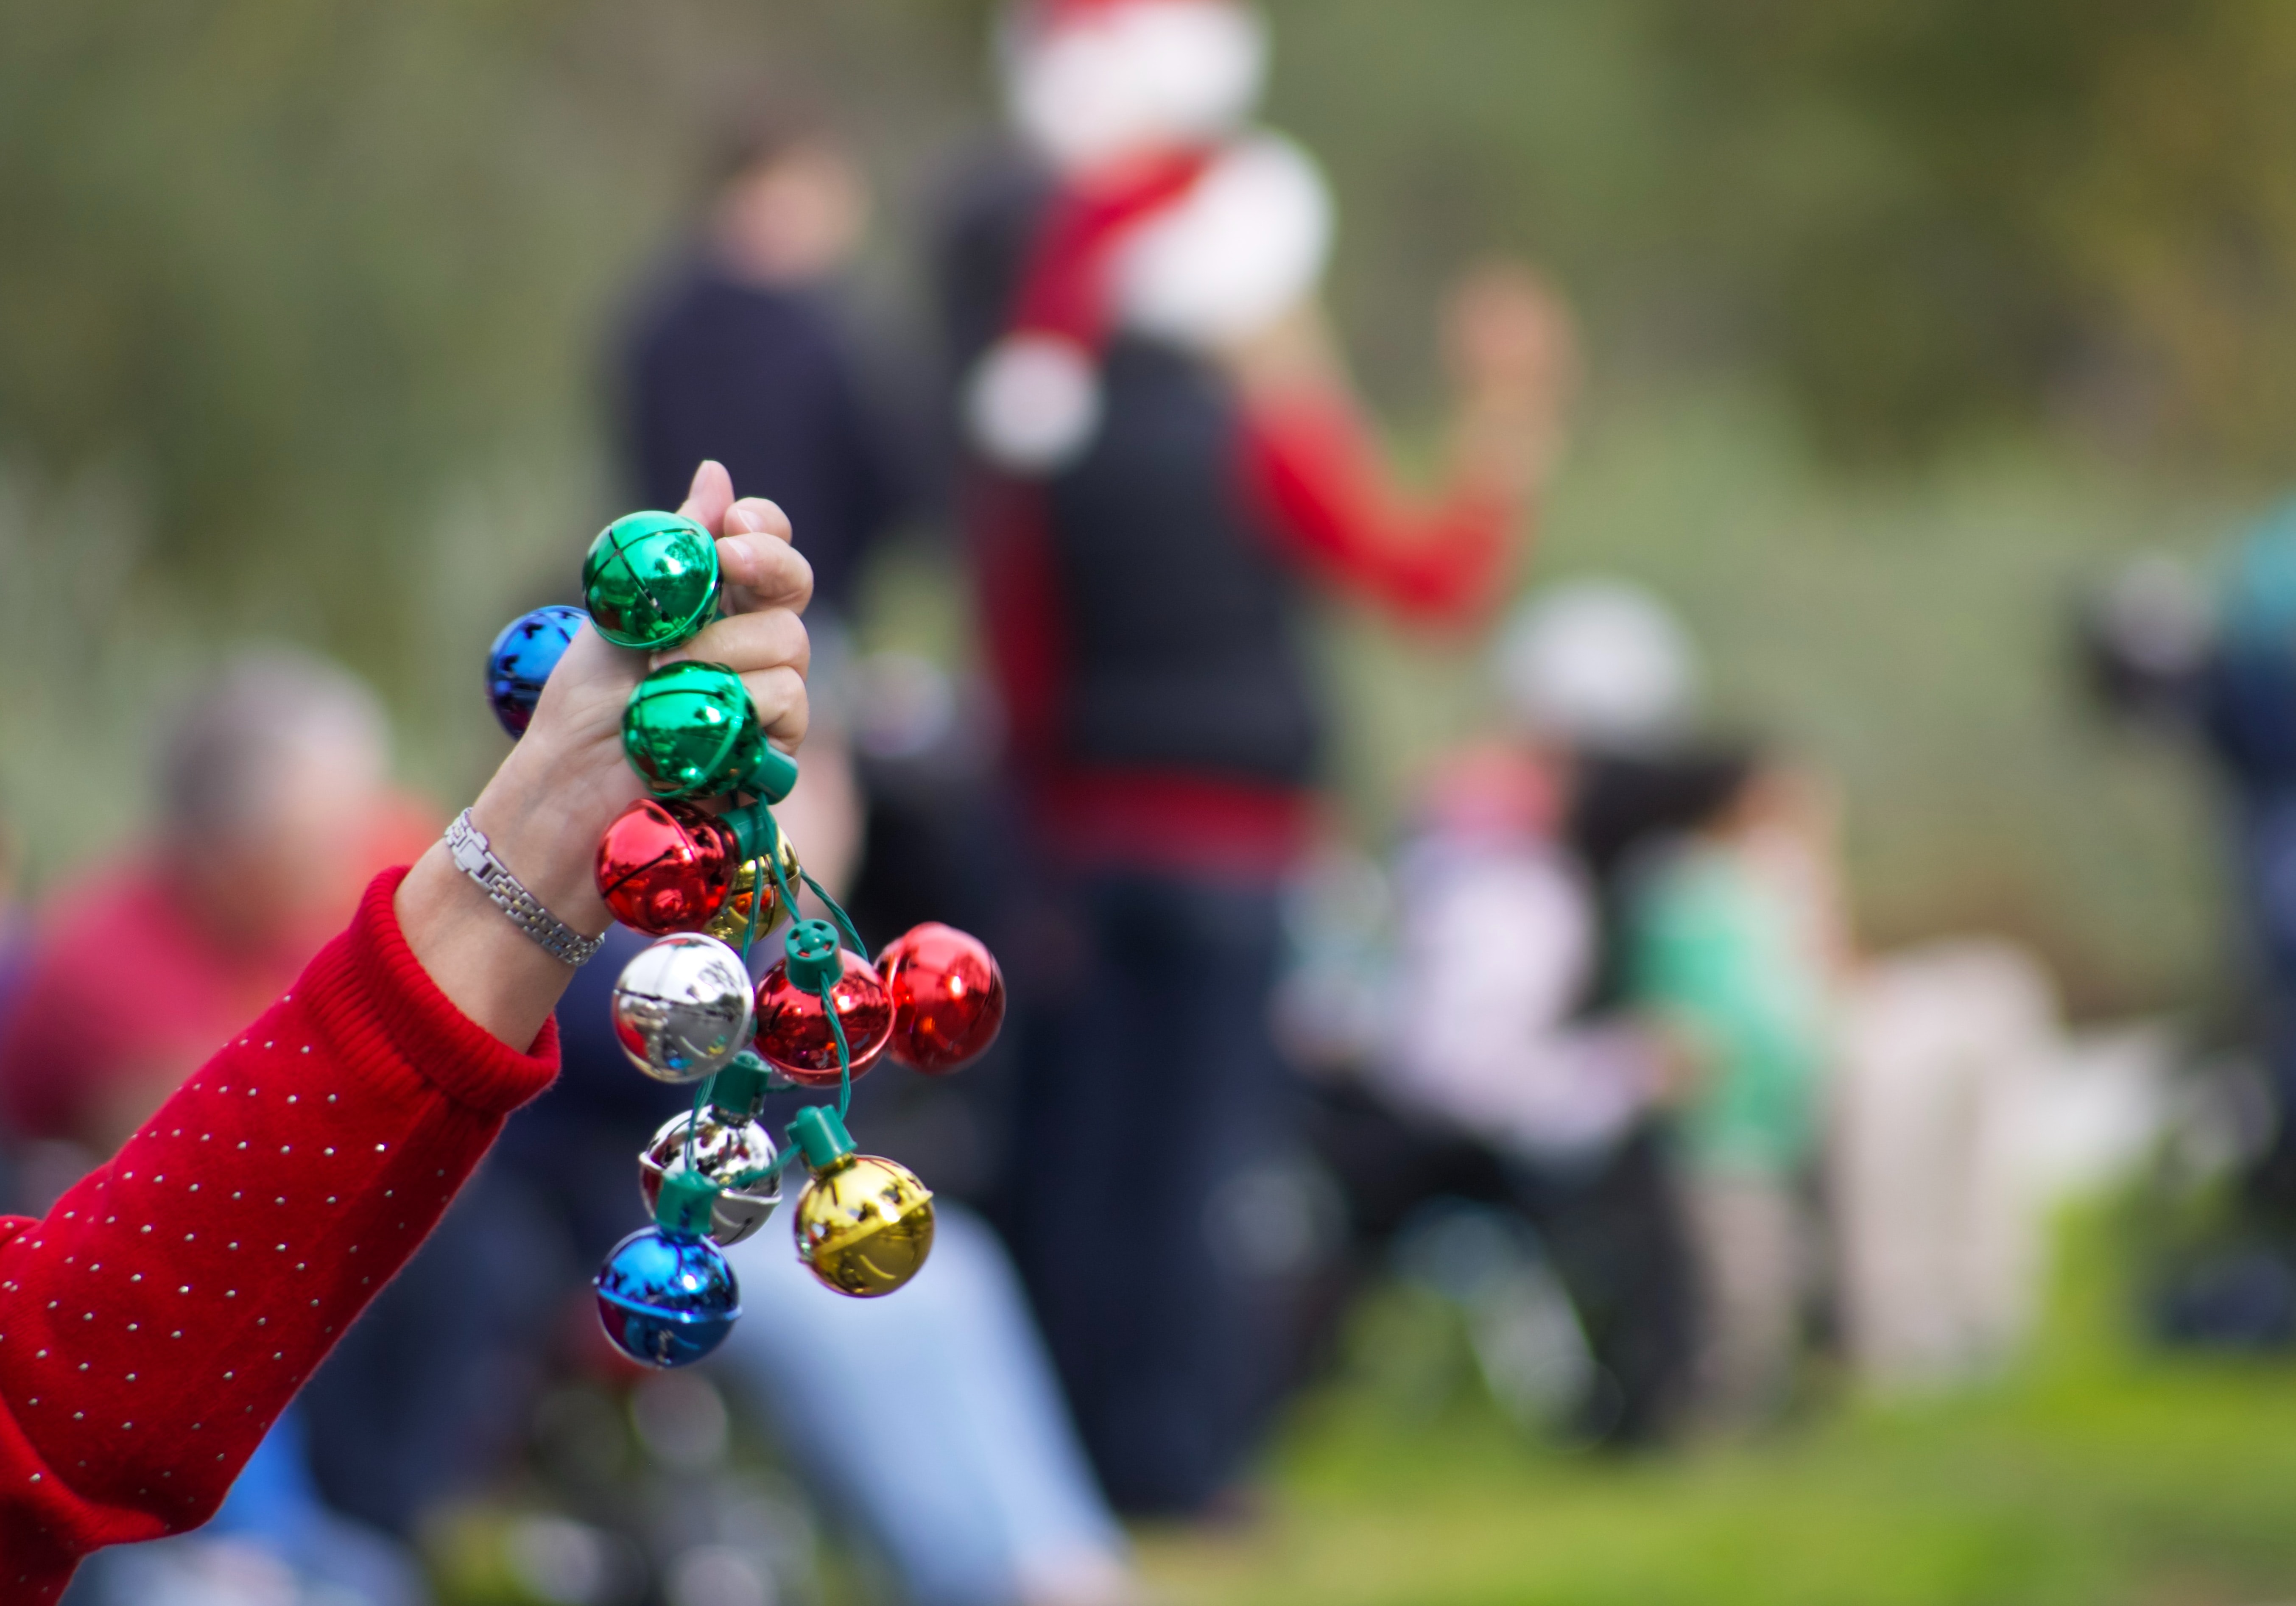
(1164, 451)
(275, 810)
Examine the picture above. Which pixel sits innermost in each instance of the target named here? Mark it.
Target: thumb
(709, 497)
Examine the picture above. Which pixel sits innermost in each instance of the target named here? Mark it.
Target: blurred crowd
(1591, 1052)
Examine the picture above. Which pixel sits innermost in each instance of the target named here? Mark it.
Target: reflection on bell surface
(864, 1226)
(731, 1152)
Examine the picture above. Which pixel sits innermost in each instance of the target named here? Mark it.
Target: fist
(567, 780)
(1509, 339)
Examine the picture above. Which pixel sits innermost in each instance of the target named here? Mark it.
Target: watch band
(474, 856)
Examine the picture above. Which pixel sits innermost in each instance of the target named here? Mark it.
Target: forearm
(1315, 472)
(165, 1310)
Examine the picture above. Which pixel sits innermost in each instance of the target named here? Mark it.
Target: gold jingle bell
(752, 880)
(864, 1225)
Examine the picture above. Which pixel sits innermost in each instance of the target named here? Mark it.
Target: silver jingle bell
(683, 1008)
(726, 1149)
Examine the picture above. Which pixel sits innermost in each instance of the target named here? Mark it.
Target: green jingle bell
(689, 730)
(651, 580)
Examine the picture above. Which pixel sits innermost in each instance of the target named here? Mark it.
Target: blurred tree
(304, 267)
(1927, 218)
(302, 303)
(301, 264)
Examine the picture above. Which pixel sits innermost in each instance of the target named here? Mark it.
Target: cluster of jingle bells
(707, 884)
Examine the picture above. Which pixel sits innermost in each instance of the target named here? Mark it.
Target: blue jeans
(273, 1517)
(932, 1418)
(1154, 1109)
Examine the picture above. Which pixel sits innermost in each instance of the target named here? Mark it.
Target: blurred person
(1500, 937)
(273, 811)
(2247, 698)
(422, 1024)
(991, 1502)
(1505, 1070)
(1478, 1145)
(739, 353)
(2158, 648)
(1600, 684)
(1162, 449)
(933, 1424)
(1732, 950)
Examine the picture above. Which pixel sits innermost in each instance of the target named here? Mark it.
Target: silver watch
(474, 856)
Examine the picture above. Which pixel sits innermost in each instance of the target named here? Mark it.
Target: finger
(745, 643)
(756, 516)
(709, 497)
(779, 696)
(763, 572)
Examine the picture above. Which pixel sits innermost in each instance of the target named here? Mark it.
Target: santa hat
(1091, 81)
(1037, 15)
(1138, 106)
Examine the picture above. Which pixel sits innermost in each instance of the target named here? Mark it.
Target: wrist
(549, 846)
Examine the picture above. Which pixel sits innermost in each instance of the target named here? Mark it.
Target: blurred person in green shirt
(1733, 943)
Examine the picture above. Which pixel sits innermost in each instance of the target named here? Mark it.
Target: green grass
(2095, 1475)
(2162, 1484)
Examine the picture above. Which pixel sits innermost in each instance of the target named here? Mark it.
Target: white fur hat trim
(1032, 405)
(1144, 73)
(1244, 246)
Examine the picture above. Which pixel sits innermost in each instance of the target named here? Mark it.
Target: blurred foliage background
(1902, 319)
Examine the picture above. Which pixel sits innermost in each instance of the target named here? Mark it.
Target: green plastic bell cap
(689, 730)
(651, 580)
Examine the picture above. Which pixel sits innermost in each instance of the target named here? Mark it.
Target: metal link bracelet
(474, 856)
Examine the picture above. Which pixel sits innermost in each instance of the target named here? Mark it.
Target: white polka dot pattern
(246, 1154)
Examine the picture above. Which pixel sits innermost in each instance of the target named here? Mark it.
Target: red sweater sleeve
(1314, 473)
(159, 1317)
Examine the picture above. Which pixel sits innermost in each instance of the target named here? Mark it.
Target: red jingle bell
(948, 997)
(793, 1031)
(665, 867)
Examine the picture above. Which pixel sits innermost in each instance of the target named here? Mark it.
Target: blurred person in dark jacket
(2159, 649)
(741, 352)
(1163, 453)
(738, 353)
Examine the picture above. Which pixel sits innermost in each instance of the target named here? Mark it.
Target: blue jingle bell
(522, 660)
(666, 1294)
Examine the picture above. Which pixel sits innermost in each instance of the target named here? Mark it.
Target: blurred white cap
(1089, 81)
(1032, 405)
(1599, 661)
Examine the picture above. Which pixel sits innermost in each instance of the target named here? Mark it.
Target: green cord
(828, 1004)
(750, 934)
(844, 920)
(773, 864)
(844, 1054)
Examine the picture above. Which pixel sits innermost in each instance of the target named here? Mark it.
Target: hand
(567, 779)
(1513, 358)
